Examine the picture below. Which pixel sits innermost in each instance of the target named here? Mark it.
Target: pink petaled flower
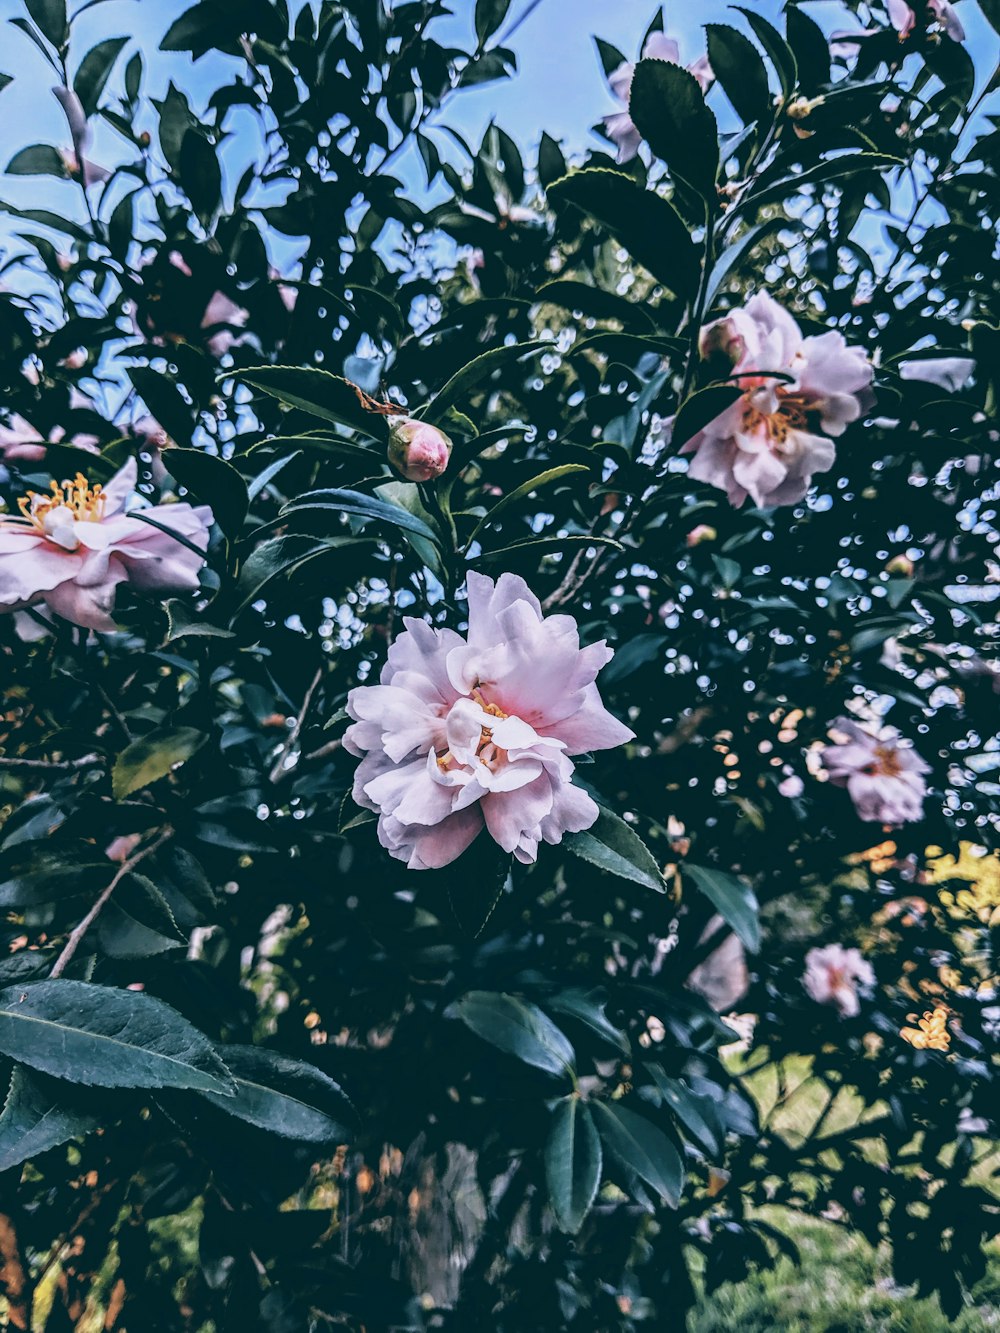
(474, 731)
(767, 445)
(833, 974)
(21, 442)
(71, 549)
(903, 18)
(619, 127)
(883, 777)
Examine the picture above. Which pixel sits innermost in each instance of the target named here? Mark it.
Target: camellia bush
(472, 621)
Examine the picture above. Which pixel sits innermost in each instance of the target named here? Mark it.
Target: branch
(78, 932)
(279, 769)
(12, 1277)
(54, 765)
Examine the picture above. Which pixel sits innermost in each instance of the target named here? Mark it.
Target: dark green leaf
(551, 163)
(152, 757)
(41, 159)
(641, 1148)
(281, 555)
(701, 408)
(165, 401)
(595, 302)
(200, 174)
(35, 1117)
(669, 110)
(734, 900)
(285, 1096)
(645, 223)
(360, 505)
(516, 1027)
(737, 65)
(697, 1113)
(588, 1008)
(533, 547)
(811, 49)
(93, 73)
(835, 168)
(214, 482)
(617, 849)
(97, 1035)
(778, 51)
(472, 373)
(50, 18)
(737, 251)
(317, 392)
(526, 488)
(489, 16)
(573, 1161)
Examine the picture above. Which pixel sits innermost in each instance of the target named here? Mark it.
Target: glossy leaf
(669, 110)
(472, 374)
(214, 482)
(95, 67)
(317, 392)
(152, 757)
(285, 1096)
(37, 1115)
(612, 846)
(734, 900)
(641, 1147)
(573, 1161)
(100, 1036)
(737, 65)
(525, 489)
(516, 1027)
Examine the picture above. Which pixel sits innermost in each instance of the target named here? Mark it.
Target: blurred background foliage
(409, 1145)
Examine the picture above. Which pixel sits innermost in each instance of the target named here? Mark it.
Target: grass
(843, 1284)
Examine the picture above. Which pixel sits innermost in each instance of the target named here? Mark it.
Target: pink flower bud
(418, 451)
(702, 533)
(902, 565)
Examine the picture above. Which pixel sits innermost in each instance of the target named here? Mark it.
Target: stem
(54, 765)
(278, 769)
(78, 932)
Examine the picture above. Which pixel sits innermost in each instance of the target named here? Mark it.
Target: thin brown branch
(281, 767)
(53, 765)
(78, 931)
(13, 1280)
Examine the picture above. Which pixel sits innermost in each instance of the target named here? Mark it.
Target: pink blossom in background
(833, 974)
(71, 548)
(75, 160)
(21, 442)
(463, 733)
(903, 18)
(619, 126)
(776, 435)
(883, 776)
(946, 372)
(791, 786)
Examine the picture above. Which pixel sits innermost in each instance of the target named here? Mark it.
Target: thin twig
(323, 751)
(54, 765)
(278, 769)
(78, 932)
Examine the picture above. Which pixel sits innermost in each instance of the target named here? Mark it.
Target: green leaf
(214, 482)
(489, 16)
(40, 159)
(734, 900)
(152, 757)
(182, 622)
(738, 67)
(617, 849)
(165, 401)
(778, 51)
(595, 302)
(5, 81)
(360, 505)
(641, 1148)
(264, 478)
(516, 1027)
(991, 9)
(526, 488)
(533, 547)
(109, 1038)
(811, 49)
(472, 373)
(93, 73)
(645, 223)
(733, 254)
(834, 168)
(281, 555)
(50, 18)
(200, 174)
(696, 1112)
(670, 112)
(284, 1096)
(314, 391)
(701, 408)
(587, 1007)
(36, 1118)
(138, 922)
(573, 1161)
(551, 163)
(50, 881)
(609, 55)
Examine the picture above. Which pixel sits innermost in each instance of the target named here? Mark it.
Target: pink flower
(221, 311)
(767, 445)
(946, 372)
(21, 442)
(792, 786)
(463, 732)
(833, 974)
(903, 18)
(619, 126)
(883, 777)
(417, 450)
(72, 548)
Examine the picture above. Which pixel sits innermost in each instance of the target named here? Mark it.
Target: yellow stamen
(792, 413)
(85, 502)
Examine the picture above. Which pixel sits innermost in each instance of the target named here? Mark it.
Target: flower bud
(902, 565)
(418, 451)
(702, 533)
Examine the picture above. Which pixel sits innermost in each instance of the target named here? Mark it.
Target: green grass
(843, 1284)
